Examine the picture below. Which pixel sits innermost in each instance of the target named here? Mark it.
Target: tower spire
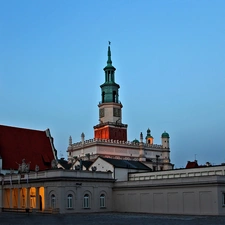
(109, 61)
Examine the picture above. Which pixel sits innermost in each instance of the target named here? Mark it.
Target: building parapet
(180, 173)
(55, 173)
(117, 142)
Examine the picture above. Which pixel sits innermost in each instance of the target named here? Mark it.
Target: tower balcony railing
(117, 101)
(111, 123)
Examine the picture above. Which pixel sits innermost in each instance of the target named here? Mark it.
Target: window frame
(53, 201)
(223, 199)
(86, 201)
(102, 201)
(69, 201)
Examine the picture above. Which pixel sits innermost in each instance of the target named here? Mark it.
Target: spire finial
(109, 61)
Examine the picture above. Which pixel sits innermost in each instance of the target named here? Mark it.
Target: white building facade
(199, 191)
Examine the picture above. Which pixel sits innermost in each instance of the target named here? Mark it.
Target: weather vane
(109, 42)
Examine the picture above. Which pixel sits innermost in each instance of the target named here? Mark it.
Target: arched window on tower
(114, 96)
(103, 97)
(112, 77)
(108, 75)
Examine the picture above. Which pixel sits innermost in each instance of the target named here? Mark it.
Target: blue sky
(169, 56)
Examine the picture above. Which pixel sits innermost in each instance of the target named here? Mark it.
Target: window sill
(70, 208)
(87, 208)
(102, 207)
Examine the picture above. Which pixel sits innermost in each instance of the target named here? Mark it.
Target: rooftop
(35, 146)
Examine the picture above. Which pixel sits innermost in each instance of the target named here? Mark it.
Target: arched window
(70, 201)
(114, 96)
(103, 97)
(102, 201)
(86, 201)
(108, 75)
(53, 201)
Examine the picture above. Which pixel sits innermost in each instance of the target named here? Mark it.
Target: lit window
(102, 201)
(86, 201)
(53, 201)
(70, 201)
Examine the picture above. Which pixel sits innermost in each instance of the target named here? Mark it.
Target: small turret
(165, 140)
(70, 147)
(141, 150)
(70, 141)
(149, 138)
(141, 137)
(82, 138)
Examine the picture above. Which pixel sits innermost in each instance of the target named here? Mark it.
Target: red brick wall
(114, 133)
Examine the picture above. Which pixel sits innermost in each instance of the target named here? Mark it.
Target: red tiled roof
(34, 146)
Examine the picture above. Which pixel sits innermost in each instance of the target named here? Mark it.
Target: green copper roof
(110, 89)
(135, 141)
(148, 134)
(165, 135)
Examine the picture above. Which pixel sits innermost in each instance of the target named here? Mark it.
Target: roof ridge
(22, 128)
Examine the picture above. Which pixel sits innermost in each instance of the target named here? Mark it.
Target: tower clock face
(116, 112)
(101, 113)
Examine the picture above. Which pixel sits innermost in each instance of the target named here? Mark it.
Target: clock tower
(110, 108)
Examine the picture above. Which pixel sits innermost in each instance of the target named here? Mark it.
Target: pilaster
(28, 198)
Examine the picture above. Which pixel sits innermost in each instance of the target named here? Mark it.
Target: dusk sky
(169, 57)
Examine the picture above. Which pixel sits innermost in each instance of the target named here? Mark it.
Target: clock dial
(101, 113)
(116, 112)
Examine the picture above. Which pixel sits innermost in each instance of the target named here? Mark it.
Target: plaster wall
(108, 113)
(103, 166)
(62, 189)
(120, 174)
(181, 196)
